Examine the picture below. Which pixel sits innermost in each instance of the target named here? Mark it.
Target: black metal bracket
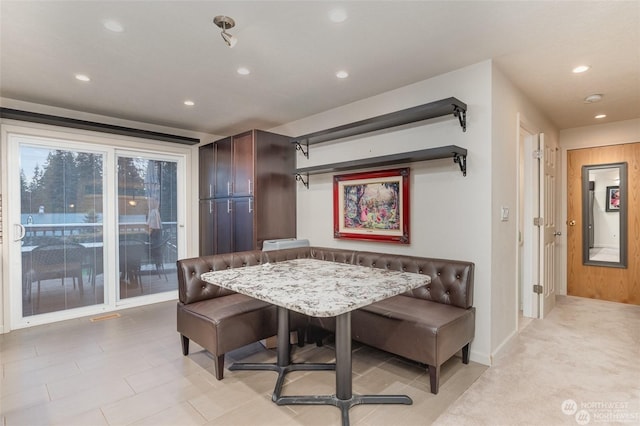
(300, 178)
(462, 117)
(304, 151)
(462, 161)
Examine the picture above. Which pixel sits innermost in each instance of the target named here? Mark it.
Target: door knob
(557, 234)
(572, 223)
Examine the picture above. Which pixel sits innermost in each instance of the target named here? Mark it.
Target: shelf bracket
(302, 149)
(462, 162)
(304, 179)
(462, 117)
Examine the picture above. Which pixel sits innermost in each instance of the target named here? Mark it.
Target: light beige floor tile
(182, 414)
(79, 383)
(124, 363)
(139, 406)
(12, 352)
(24, 366)
(259, 410)
(16, 401)
(16, 382)
(231, 395)
(88, 418)
(164, 373)
(64, 409)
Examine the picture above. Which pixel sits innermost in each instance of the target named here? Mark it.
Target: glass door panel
(61, 203)
(147, 226)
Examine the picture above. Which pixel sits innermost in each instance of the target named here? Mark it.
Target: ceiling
(170, 51)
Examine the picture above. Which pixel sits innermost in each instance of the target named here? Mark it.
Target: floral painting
(372, 206)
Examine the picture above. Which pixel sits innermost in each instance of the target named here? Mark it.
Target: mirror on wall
(604, 215)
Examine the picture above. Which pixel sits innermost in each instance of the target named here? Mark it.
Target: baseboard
(505, 343)
(480, 358)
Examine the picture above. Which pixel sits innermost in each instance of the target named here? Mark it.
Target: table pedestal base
(344, 399)
(343, 404)
(282, 371)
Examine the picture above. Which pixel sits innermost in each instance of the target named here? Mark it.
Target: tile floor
(130, 371)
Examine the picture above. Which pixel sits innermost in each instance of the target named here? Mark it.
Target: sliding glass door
(61, 211)
(147, 225)
(93, 226)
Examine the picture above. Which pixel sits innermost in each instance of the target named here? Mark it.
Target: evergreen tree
(60, 182)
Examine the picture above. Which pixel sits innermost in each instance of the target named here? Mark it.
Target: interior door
(548, 230)
(593, 281)
(539, 219)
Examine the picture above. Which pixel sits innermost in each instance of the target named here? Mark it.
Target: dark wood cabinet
(206, 173)
(222, 168)
(253, 192)
(243, 175)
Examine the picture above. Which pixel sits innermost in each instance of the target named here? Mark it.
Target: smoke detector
(593, 98)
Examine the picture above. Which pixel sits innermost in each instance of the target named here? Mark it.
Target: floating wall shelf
(394, 119)
(458, 154)
(406, 116)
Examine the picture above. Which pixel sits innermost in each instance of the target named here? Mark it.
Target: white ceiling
(171, 51)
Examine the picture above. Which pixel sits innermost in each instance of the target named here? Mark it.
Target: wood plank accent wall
(597, 282)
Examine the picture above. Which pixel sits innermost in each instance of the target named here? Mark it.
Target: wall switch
(504, 214)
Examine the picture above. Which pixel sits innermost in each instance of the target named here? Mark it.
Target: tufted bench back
(451, 280)
(192, 289)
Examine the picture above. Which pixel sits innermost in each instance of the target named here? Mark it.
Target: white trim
(498, 352)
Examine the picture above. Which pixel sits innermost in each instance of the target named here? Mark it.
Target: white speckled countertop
(316, 287)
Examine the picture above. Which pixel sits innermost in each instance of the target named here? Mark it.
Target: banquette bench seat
(429, 324)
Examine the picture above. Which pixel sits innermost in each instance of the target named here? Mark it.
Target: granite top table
(322, 289)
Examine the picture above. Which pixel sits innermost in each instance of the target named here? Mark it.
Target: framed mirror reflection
(604, 215)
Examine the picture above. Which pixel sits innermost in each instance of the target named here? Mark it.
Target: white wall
(508, 103)
(615, 133)
(450, 215)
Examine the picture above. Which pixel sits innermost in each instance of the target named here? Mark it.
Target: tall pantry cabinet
(247, 192)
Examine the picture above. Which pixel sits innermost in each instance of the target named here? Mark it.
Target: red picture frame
(372, 206)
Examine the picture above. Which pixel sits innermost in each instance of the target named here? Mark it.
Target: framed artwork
(372, 206)
(613, 199)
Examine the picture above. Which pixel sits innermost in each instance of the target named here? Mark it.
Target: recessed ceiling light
(599, 116)
(114, 26)
(581, 68)
(596, 97)
(244, 71)
(189, 103)
(337, 15)
(342, 74)
(82, 77)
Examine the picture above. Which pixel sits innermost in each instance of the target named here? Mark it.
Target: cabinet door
(223, 232)
(207, 228)
(243, 232)
(206, 175)
(222, 168)
(243, 160)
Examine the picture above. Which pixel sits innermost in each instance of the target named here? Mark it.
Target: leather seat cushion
(226, 323)
(417, 329)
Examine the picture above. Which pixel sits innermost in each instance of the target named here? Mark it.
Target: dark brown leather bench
(429, 324)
